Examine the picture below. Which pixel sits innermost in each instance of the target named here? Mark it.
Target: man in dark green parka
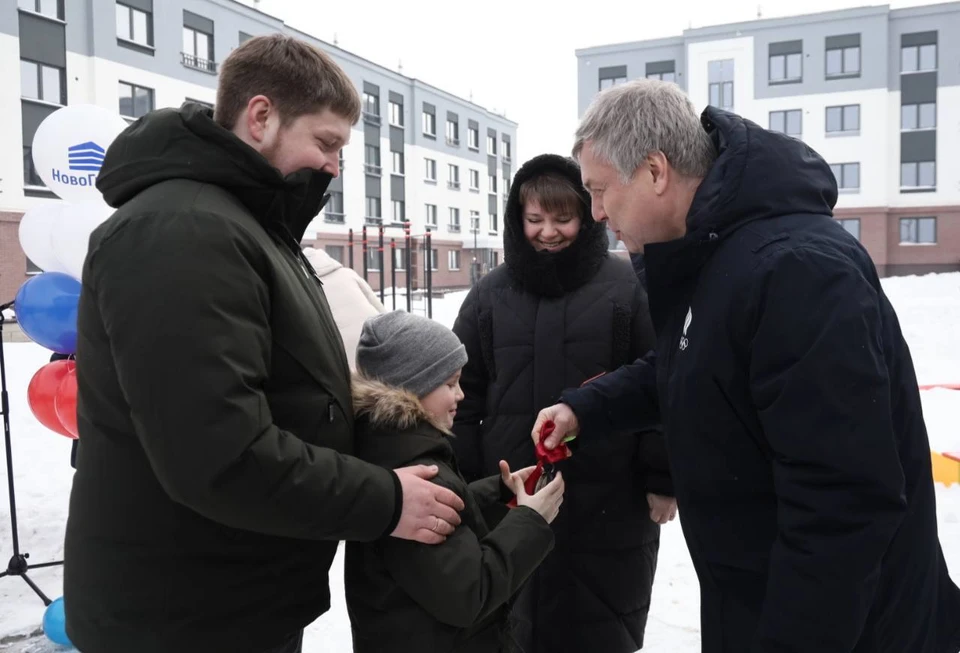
(214, 472)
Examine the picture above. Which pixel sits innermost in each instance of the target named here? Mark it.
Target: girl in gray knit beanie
(456, 595)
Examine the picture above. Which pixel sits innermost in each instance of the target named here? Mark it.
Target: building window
(454, 223)
(431, 216)
(663, 77)
(843, 62)
(847, 174)
(398, 168)
(475, 180)
(48, 8)
(429, 124)
(41, 82)
(135, 101)
(371, 104)
(473, 138)
(453, 177)
(918, 116)
(373, 210)
(399, 211)
(396, 114)
(371, 107)
(493, 223)
(30, 176)
(399, 258)
(435, 260)
(453, 260)
(32, 268)
(453, 133)
(918, 58)
(918, 174)
(491, 145)
(843, 119)
(333, 211)
(786, 68)
(493, 183)
(787, 122)
(506, 150)
(198, 50)
(373, 259)
(371, 160)
(851, 226)
(430, 172)
(134, 25)
(611, 76)
(918, 231)
(335, 252)
(720, 80)
(474, 221)
(610, 82)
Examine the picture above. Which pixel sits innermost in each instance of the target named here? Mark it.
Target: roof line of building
(764, 23)
(363, 61)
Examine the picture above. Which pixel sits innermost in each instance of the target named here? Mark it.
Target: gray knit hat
(409, 351)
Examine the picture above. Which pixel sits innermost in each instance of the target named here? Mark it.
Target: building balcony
(195, 62)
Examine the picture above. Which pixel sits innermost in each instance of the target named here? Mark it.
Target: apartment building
(874, 90)
(419, 153)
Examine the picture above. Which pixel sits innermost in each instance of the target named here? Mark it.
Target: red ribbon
(544, 456)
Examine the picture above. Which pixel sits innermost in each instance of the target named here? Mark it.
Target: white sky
(515, 56)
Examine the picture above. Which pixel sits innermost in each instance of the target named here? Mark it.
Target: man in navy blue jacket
(797, 445)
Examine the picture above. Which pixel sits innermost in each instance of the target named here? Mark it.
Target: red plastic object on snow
(546, 459)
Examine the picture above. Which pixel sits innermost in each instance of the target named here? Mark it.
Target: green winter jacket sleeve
(187, 311)
(465, 579)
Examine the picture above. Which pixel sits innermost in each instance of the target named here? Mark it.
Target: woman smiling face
(548, 230)
(551, 213)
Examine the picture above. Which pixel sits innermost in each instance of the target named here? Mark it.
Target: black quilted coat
(536, 325)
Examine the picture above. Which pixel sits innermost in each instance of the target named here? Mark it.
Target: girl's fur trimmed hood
(389, 407)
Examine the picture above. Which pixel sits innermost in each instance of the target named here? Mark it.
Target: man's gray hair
(628, 122)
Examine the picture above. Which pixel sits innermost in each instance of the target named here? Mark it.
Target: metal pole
(476, 258)
(380, 250)
(430, 275)
(350, 243)
(393, 271)
(408, 254)
(18, 565)
(363, 250)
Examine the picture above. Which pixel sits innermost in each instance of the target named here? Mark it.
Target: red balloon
(65, 402)
(42, 393)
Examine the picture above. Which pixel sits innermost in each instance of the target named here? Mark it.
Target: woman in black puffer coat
(558, 312)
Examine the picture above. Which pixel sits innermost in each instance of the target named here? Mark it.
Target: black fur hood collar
(551, 274)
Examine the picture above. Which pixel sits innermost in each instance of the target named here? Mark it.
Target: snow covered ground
(929, 311)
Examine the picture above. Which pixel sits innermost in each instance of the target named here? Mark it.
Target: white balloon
(36, 235)
(71, 234)
(69, 147)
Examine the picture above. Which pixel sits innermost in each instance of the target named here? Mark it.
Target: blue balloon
(46, 307)
(55, 623)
